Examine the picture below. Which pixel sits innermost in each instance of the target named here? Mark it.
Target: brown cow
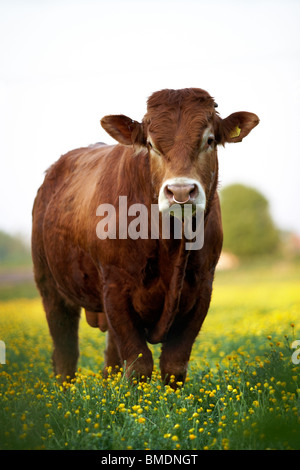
(143, 289)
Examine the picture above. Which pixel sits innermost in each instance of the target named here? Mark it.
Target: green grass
(242, 390)
(22, 290)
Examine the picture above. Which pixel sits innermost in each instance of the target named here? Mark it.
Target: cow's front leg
(175, 356)
(125, 328)
(176, 350)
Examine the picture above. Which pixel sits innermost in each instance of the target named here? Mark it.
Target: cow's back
(66, 172)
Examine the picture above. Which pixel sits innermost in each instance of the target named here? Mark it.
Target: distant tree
(248, 227)
(13, 251)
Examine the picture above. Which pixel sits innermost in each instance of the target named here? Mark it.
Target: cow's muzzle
(181, 190)
(181, 193)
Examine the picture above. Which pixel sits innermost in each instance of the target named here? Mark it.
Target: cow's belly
(77, 277)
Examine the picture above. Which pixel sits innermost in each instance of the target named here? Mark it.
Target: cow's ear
(123, 129)
(236, 126)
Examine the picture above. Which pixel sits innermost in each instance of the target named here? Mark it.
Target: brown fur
(140, 290)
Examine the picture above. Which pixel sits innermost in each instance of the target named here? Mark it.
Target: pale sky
(65, 64)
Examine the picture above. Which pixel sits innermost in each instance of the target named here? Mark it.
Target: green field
(242, 390)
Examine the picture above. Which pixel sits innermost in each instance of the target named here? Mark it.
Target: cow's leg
(112, 357)
(177, 348)
(127, 333)
(63, 321)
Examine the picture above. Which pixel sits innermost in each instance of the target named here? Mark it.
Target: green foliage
(247, 223)
(18, 290)
(13, 251)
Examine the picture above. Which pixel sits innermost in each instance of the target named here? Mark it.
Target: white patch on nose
(163, 201)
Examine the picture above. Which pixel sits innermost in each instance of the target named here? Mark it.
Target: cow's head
(181, 131)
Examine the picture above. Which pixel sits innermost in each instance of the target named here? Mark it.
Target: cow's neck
(213, 189)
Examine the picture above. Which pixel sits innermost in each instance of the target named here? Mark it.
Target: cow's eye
(153, 148)
(210, 141)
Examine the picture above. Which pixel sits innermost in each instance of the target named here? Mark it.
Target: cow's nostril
(194, 192)
(168, 193)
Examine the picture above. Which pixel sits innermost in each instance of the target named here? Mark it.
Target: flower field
(242, 390)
